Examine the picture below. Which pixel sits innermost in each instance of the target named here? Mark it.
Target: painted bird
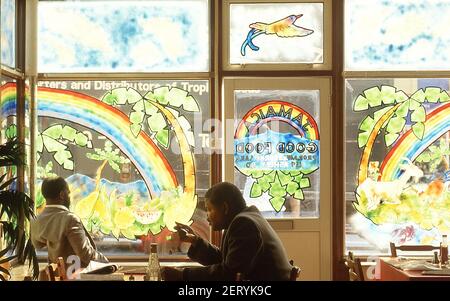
(284, 28)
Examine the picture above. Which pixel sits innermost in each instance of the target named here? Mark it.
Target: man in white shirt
(60, 230)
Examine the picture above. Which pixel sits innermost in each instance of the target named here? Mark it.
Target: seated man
(61, 230)
(249, 245)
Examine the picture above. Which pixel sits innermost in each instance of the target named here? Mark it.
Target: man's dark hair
(51, 187)
(229, 193)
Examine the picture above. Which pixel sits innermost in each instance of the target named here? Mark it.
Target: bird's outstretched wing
(293, 31)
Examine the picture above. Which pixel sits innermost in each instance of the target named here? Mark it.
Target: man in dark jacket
(249, 244)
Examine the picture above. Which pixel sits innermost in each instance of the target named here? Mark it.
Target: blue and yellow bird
(284, 28)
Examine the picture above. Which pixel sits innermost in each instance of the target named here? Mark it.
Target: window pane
(397, 35)
(8, 119)
(288, 33)
(114, 36)
(8, 32)
(397, 162)
(132, 156)
(276, 152)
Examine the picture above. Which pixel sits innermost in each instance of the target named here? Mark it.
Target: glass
(8, 118)
(396, 35)
(123, 36)
(277, 151)
(397, 162)
(299, 41)
(153, 268)
(133, 155)
(8, 33)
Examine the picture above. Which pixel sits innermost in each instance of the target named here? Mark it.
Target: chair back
(50, 270)
(56, 271)
(355, 272)
(410, 248)
(61, 269)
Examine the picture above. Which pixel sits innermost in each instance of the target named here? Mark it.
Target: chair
(295, 271)
(56, 271)
(50, 271)
(394, 248)
(355, 272)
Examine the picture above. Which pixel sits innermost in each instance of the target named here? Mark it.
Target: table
(388, 272)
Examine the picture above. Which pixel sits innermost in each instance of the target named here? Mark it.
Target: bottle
(444, 250)
(153, 268)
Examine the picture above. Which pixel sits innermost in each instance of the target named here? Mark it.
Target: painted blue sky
(131, 36)
(397, 35)
(8, 33)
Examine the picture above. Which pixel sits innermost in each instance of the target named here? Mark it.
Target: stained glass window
(397, 162)
(114, 36)
(8, 32)
(397, 35)
(277, 151)
(276, 33)
(133, 155)
(8, 117)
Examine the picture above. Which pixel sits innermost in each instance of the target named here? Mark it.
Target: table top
(406, 269)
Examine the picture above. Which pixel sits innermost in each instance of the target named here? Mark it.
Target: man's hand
(171, 274)
(186, 233)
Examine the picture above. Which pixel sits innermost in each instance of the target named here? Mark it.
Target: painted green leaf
(432, 94)
(128, 234)
(390, 138)
(403, 109)
(68, 164)
(156, 122)
(378, 114)
(418, 115)
(39, 144)
(53, 131)
(276, 189)
(361, 104)
(94, 157)
(424, 157)
(362, 139)
(294, 173)
(136, 117)
(419, 95)
(265, 183)
(401, 96)
(163, 138)
(299, 195)
(139, 106)
(190, 104)
(367, 124)
(304, 183)
(82, 140)
(292, 188)
(414, 104)
(121, 96)
(114, 166)
(11, 131)
(419, 130)
(396, 124)
(176, 97)
(444, 97)
(62, 156)
(256, 190)
(284, 178)
(160, 95)
(53, 145)
(256, 174)
(135, 129)
(388, 94)
(69, 133)
(277, 203)
(150, 108)
(373, 95)
(116, 233)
